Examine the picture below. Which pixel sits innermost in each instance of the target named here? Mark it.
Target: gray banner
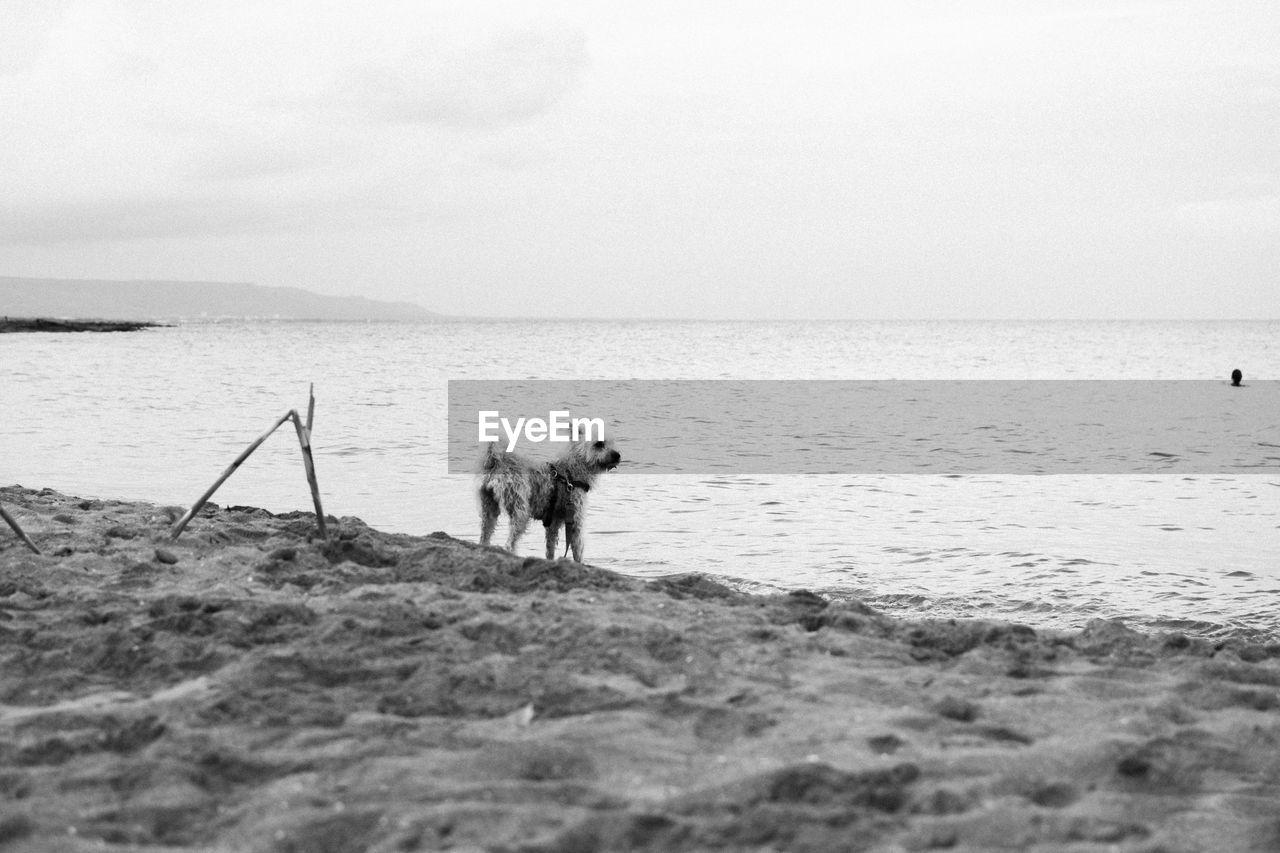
(745, 427)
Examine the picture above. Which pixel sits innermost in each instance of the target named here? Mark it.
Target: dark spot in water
(954, 708)
(1054, 795)
(885, 744)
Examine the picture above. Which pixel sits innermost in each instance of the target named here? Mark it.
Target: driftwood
(304, 441)
(13, 522)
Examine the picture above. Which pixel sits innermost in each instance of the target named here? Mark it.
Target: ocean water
(157, 415)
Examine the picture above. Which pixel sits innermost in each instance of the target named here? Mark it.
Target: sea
(158, 414)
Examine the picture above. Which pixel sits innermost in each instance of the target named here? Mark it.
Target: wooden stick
(182, 522)
(311, 409)
(13, 522)
(304, 439)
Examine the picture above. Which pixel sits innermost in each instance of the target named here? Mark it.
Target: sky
(846, 159)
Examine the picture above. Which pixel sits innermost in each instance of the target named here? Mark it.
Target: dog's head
(597, 455)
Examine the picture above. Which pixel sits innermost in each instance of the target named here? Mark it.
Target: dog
(555, 493)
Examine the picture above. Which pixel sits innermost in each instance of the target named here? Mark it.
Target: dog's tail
(490, 458)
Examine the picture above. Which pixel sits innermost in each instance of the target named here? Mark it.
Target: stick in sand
(13, 522)
(311, 409)
(304, 439)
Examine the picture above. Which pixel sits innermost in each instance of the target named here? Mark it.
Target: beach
(251, 687)
(172, 406)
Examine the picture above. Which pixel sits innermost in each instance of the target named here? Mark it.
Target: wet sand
(249, 687)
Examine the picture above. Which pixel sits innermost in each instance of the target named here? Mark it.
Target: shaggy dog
(555, 493)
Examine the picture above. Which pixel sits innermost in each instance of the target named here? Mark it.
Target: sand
(249, 687)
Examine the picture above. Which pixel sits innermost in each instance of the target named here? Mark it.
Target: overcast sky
(1029, 158)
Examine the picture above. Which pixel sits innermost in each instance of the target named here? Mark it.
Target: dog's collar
(557, 474)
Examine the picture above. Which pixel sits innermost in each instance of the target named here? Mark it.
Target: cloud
(691, 145)
(509, 77)
(134, 122)
(1256, 215)
(292, 201)
(25, 34)
(137, 217)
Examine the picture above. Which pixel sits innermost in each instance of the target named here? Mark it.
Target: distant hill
(188, 300)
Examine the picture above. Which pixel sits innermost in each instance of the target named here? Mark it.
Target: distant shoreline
(47, 324)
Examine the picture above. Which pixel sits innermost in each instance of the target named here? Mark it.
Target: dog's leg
(517, 518)
(518, 525)
(573, 532)
(488, 515)
(553, 538)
